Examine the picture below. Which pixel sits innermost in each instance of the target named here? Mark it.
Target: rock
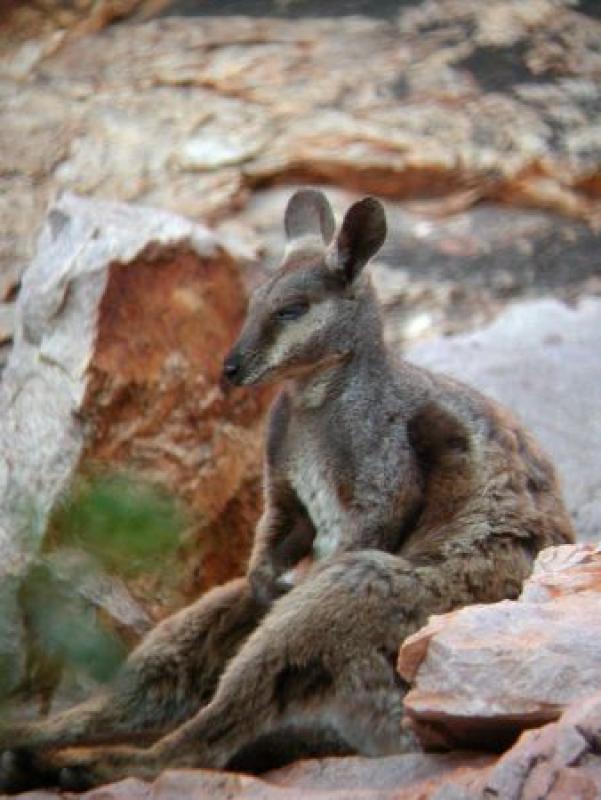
(559, 761)
(482, 674)
(411, 775)
(393, 778)
(122, 323)
(563, 571)
(541, 360)
(193, 115)
(23, 20)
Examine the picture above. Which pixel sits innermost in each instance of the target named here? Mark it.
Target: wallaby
(390, 494)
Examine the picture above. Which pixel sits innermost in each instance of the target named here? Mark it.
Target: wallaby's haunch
(400, 493)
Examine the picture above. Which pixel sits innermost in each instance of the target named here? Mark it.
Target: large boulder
(484, 673)
(122, 323)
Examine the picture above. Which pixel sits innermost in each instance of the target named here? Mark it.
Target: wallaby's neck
(363, 359)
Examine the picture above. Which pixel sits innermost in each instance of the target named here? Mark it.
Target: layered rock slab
(560, 761)
(482, 674)
(121, 326)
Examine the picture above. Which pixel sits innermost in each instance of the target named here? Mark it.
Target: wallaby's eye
(292, 311)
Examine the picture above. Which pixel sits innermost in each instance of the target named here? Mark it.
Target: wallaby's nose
(232, 367)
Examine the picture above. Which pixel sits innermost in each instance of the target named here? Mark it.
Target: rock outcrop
(484, 673)
(451, 102)
(122, 322)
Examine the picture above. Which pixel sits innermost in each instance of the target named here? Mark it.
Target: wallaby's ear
(308, 212)
(362, 234)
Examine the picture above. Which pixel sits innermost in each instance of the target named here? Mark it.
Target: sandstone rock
(482, 674)
(564, 571)
(559, 761)
(122, 323)
(541, 360)
(193, 114)
(394, 778)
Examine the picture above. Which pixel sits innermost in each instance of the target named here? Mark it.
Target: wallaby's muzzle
(232, 368)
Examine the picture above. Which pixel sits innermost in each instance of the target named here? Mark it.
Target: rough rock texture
(550, 351)
(482, 674)
(122, 323)
(406, 777)
(452, 101)
(560, 761)
(21, 20)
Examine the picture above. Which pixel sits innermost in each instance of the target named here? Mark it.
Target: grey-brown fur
(390, 494)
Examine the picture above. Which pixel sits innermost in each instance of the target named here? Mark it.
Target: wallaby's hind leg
(166, 679)
(324, 655)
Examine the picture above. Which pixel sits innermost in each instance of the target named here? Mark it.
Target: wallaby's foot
(71, 769)
(81, 769)
(21, 770)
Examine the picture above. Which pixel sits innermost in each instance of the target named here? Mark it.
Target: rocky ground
(479, 127)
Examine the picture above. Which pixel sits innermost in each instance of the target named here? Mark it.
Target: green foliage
(64, 628)
(128, 525)
(110, 523)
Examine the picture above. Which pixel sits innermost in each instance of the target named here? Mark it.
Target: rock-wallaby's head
(312, 311)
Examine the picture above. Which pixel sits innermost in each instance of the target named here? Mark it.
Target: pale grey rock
(482, 674)
(541, 360)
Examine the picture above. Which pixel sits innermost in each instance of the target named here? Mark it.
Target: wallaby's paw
(21, 770)
(11, 773)
(76, 779)
(82, 769)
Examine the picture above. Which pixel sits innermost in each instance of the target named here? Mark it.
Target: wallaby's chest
(312, 478)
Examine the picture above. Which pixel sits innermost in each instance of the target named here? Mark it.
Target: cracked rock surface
(192, 115)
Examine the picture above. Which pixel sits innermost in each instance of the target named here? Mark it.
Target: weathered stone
(412, 772)
(482, 674)
(193, 114)
(557, 762)
(563, 571)
(121, 326)
(394, 778)
(560, 761)
(541, 360)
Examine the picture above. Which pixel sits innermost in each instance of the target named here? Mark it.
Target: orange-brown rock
(482, 674)
(122, 323)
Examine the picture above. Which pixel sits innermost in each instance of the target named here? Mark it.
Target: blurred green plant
(64, 628)
(116, 524)
(130, 526)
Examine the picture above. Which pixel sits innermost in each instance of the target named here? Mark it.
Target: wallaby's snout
(307, 315)
(232, 367)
